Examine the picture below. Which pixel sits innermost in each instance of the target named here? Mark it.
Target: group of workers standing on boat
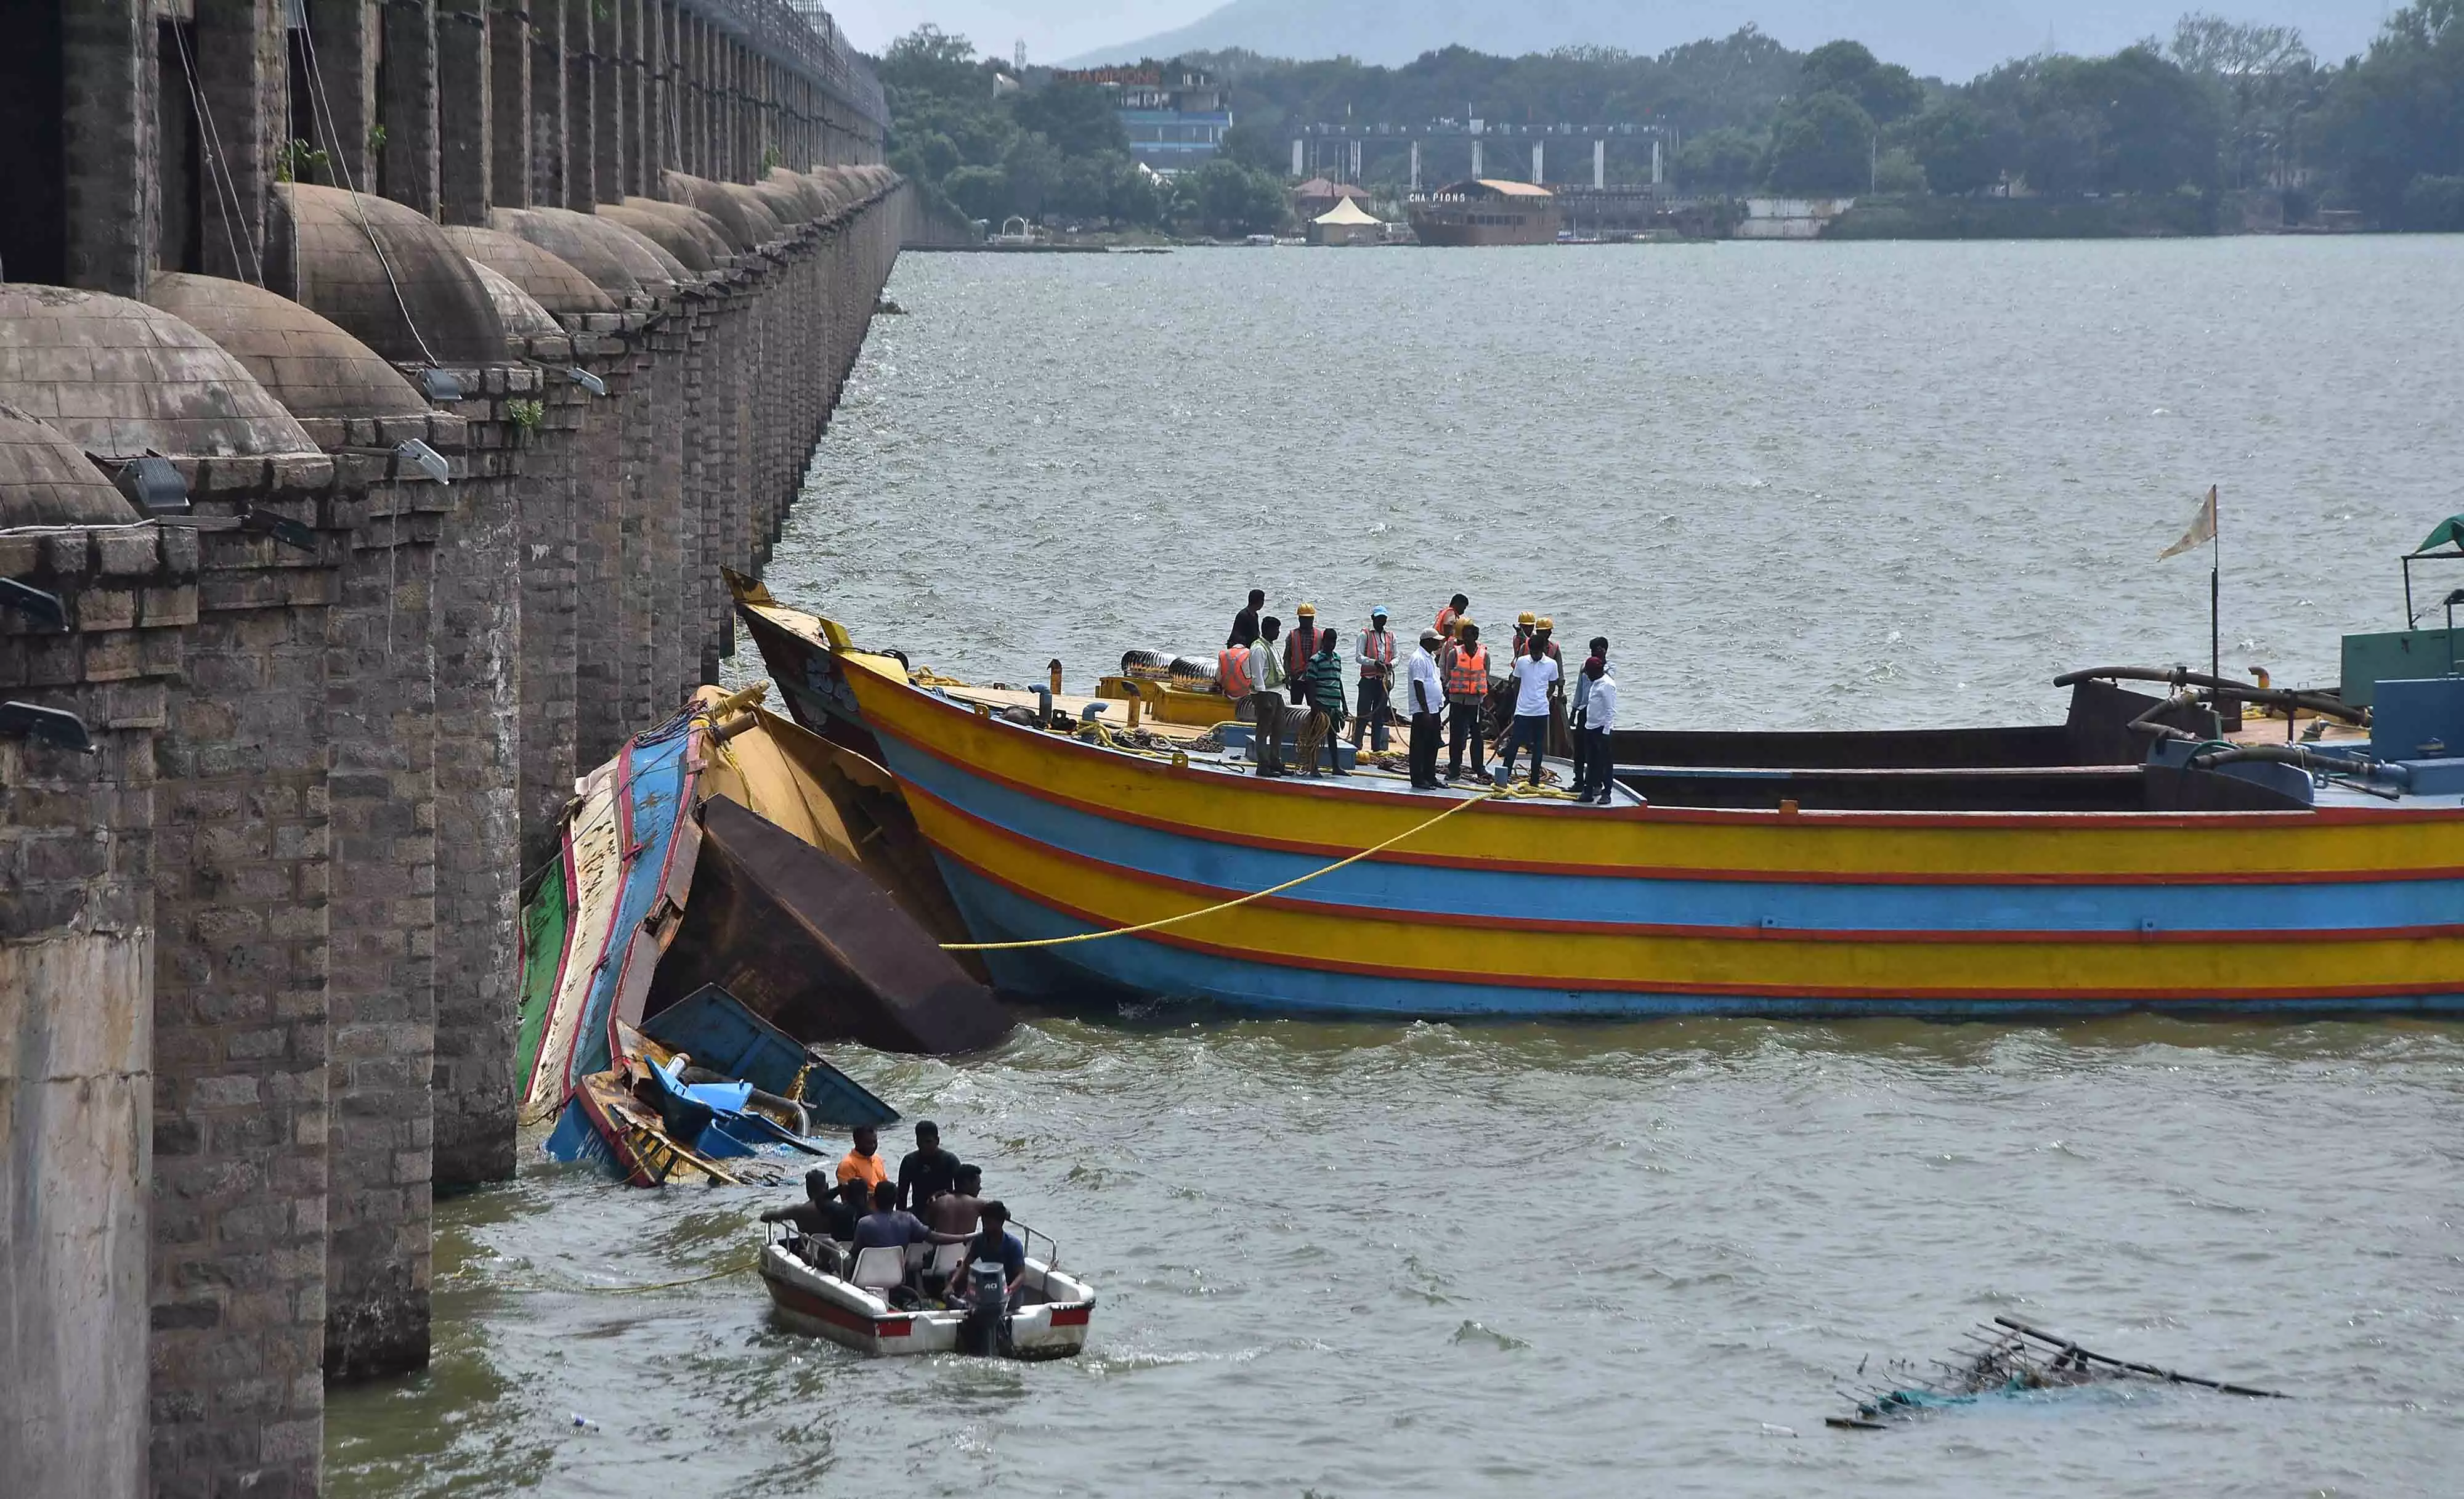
(934, 1199)
(1447, 688)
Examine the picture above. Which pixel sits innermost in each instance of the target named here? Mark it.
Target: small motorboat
(855, 1311)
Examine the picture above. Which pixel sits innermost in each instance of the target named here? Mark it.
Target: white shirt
(1532, 680)
(1425, 685)
(1265, 673)
(1599, 708)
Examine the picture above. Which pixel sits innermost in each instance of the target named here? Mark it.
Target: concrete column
(1358, 148)
(1599, 163)
(241, 1037)
(1416, 166)
(77, 976)
(108, 142)
(509, 111)
(380, 701)
(479, 822)
(344, 34)
(607, 102)
(634, 86)
(657, 55)
(466, 135)
(548, 147)
(1475, 157)
(1655, 162)
(581, 113)
(408, 108)
(1539, 162)
(240, 69)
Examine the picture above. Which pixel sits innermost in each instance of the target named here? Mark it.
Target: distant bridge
(1344, 150)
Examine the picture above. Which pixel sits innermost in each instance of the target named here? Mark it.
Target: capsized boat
(1052, 1321)
(634, 917)
(2130, 856)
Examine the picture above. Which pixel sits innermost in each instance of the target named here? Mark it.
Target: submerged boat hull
(1549, 909)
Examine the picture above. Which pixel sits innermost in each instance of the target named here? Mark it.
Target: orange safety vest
(1446, 618)
(1232, 670)
(1381, 648)
(1467, 676)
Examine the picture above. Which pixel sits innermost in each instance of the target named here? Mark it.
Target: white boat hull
(1052, 1323)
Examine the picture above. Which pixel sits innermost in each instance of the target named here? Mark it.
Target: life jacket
(1379, 648)
(1300, 644)
(1467, 676)
(1232, 670)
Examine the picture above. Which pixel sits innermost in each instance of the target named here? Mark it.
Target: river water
(1799, 485)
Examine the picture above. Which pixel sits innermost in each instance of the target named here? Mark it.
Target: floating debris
(2002, 1357)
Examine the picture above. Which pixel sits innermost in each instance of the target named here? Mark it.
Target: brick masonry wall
(240, 1127)
(380, 707)
(76, 1039)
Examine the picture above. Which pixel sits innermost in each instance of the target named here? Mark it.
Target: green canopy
(2450, 530)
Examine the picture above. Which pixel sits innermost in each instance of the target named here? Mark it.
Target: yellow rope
(1227, 905)
(737, 1268)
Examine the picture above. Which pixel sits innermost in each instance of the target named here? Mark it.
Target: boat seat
(946, 1259)
(881, 1268)
(917, 1253)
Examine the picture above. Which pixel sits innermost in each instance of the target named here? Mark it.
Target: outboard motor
(985, 1332)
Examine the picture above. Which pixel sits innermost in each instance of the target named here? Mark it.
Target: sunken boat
(2137, 854)
(729, 849)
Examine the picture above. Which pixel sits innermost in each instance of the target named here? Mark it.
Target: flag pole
(2215, 591)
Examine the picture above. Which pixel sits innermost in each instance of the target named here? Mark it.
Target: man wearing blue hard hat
(1375, 650)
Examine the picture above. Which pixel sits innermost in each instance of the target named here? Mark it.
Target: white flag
(2202, 528)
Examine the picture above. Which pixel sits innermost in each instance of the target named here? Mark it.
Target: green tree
(1954, 143)
(980, 192)
(1228, 198)
(1824, 146)
(1032, 167)
(1078, 119)
(1722, 161)
(1886, 92)
(1254, 146)
(2397, 113)
(1898, 170)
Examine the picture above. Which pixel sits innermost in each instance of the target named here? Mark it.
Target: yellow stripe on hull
(1947, 847)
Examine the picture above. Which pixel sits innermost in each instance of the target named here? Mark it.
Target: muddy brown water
(1800, 485)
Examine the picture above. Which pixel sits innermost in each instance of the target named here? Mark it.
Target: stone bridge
(382, 385)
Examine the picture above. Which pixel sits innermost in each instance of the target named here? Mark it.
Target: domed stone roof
(671, 270)
(741, 230)
(551, 280)
(303, 361)
(785, 194)
(563, 232)
(118, 378)
(765, 224)
(685, 224)
(416, 302)
(518, 310)
(46, 481)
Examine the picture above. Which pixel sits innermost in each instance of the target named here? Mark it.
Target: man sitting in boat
(889, 1226)
(996, 1244)
(957, 1211)
(864, 1163)
(926, 1171)
(826, 1214)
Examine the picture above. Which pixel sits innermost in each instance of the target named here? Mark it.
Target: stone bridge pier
(381, 389)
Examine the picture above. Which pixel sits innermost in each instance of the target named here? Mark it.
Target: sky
(1053, 29)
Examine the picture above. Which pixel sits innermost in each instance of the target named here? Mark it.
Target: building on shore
(1485, 210)
(1176, 115)
(1316, 195)
(1347, 222)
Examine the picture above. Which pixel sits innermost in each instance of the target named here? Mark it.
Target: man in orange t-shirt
(864, 1163)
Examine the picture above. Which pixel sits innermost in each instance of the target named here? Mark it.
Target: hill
(1951, 39)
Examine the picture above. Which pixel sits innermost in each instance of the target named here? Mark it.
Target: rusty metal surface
(817, 947)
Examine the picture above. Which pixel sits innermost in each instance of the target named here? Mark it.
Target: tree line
(2219, 105)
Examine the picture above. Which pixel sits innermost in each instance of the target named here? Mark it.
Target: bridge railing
(799, 34)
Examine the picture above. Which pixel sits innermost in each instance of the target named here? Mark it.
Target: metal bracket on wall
(153, 484)
(285, 531)
(57, 725)
(34, 603)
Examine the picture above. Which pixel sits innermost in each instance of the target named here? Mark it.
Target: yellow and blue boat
(2132, 857)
